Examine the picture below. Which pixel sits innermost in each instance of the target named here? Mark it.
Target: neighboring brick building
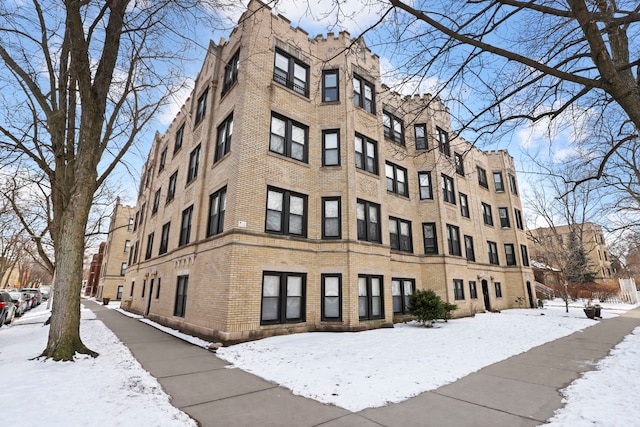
(93, 276)
(293, 192)
(548, 244)
(117, 253)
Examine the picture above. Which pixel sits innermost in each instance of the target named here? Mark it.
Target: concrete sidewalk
(519, 391)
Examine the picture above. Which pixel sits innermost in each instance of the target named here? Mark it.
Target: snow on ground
(353, 370)
(110, 390)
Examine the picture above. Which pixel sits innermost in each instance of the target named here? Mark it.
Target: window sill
(298, 94)
(290, 159)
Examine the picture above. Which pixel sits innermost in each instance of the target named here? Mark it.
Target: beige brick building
(294, 192)
(117, 253)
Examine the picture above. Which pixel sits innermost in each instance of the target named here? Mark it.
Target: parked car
(34, 293)
(20, 302)
(7, 308)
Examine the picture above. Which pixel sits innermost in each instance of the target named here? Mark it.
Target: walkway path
(519, 391)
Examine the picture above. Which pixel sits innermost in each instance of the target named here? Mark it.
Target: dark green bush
(426, 306)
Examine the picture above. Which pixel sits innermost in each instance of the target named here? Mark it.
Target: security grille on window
(482, 177)
(400, 235)
(518, 216)
(331, 222)
(493, 253)
(487, 216)
(171, 190)
(291, 72)
(217, 208)
(448, 192)
(464, 205)
(223, 141)
(503, 213)
(178, 141)
(180, 306)
(424, 180)
(443, 142)
(453, 240)
(498, 182)
(201, 108)
(430, 238)
(469, 249)
(473, 290)
(164, 238)
(459, 163)
(286, 212)
(283, 298)
(194, 161)
(364, 94)
(288, 138)
(368, 217)
(396, 179)
(331, 297)
(331, 147)
(458, 289)
(401, 290)
(420, 135)
(370, 301)
(366, 154)
(147, 255)
(185, 229)
(525, 255)
(393, 127)
(510, 254)
(231, 72)
(330, 88)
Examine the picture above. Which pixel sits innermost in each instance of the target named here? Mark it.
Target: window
(459, 163)
(420, 135)
(135, 252)
(292, 73)
(424, 180)
(178, 141)
(448, 193)
(482, 177)
(400, 235)
(156, 202)
(123, 268)
(131, 224)
(464, 205)
(453, 240)
(163, 160)
(133, 285)
(368, 217)
(458, 289)
(473, 290)
(493, 253)
(144, 288)
(185, 229)
(231, 72)
(370, 302)
(158, 289)
(331, 297)
(513, 184)
(468, 247)
(286, 212)
(142, 210)
(443, 142)
(393, 128)
(171, 191)
(127, 246)
(283, 298)
(366, 154)
(223, 141)
(503, 213)
(119, 292)
(330, 88)
(401, 289)
(364, 94)
(201, 109)
(497, 181)
(181, 296)
(430, 238)
(194, 160)
(147, 254)
(331, 219)
(498, 288)
(510, 254)
(396, 179)
(331, 147)
(164, 239)
(288, 138)
(525, 255)
(518, 216)
(487, 216)
(217, 208)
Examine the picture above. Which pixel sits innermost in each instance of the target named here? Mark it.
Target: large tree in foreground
(79, 80)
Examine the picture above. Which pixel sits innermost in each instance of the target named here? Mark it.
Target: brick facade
(116, 253)
(279, 193)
